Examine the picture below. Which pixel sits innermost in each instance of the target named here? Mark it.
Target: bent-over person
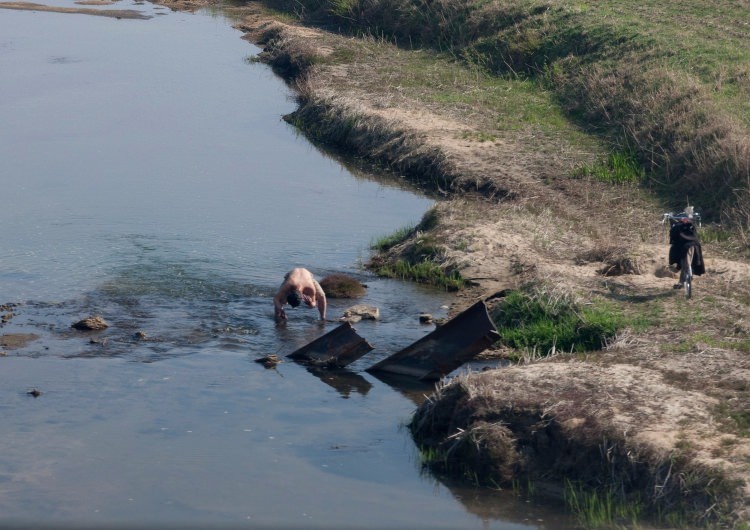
(299, 286)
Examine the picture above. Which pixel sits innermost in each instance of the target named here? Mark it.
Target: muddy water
(146, 176)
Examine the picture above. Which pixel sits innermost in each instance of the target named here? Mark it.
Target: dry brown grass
(342, 286)
(554, 422)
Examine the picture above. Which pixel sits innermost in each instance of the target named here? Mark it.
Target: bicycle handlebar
(675, 218)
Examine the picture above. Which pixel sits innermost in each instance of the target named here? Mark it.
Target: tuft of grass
(384, 243)
(737, 420)
(431, 456)
(426, 272)
(599, 509)
(429, 220)
(617, 168)
(543, 321)
(714, 234)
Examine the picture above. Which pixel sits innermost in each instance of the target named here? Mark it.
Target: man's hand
(280, 314)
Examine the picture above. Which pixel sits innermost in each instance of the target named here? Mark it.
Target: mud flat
(113, 13)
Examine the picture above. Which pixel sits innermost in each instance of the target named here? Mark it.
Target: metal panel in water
(446, 348)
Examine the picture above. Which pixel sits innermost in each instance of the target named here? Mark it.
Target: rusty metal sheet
(337, 348)
(445, 349)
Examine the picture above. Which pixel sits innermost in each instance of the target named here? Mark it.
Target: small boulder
(93, 323)
(425, 318)
(360, 312)
(339, 285)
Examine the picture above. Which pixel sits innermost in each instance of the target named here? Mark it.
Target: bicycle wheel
(688, 271)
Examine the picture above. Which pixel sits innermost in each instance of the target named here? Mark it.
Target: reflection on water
(147, 177)
(342, 380)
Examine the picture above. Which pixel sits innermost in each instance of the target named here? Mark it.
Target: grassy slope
(667, 81)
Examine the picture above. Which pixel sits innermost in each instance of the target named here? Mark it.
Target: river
(147, 176)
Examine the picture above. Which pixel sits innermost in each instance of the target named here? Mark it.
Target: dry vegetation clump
(617, 260)
(339, 285)
(553, 422)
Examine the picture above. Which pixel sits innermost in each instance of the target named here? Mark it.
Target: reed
(600, 509)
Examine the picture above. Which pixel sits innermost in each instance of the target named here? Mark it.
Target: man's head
(295, 298)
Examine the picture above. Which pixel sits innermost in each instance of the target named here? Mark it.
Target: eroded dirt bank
(656, 412)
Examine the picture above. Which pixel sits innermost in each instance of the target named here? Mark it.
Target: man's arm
(278, 302)
(320, 298)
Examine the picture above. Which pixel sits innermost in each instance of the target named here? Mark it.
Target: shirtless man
(299, 286)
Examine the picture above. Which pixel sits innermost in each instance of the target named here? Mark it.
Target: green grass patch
(432, 456)
(617, 168)
(600, 509)
(384, 243)
(504, 106)
(737, 419)
(539, 320)
(426, 272)
(714, 234)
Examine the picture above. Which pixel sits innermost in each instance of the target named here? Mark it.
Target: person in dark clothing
(684, 243)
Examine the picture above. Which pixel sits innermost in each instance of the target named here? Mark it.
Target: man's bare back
(299, 286)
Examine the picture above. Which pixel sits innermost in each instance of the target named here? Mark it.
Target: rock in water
(92, 323)
(361, 312)
(342, 286)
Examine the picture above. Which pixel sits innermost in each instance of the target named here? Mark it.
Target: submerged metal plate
(446, 348)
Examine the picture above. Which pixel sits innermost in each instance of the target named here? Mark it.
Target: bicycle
(686, 261)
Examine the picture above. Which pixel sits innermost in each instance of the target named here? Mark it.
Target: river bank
(659, 413)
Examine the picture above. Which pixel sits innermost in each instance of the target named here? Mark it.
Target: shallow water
(146, 176)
